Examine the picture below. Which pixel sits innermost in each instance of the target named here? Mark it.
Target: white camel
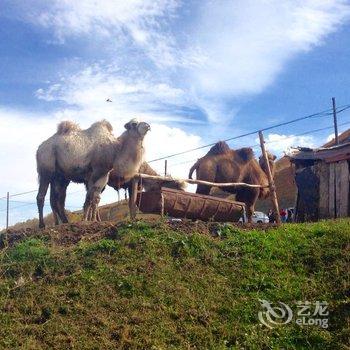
(87, 156)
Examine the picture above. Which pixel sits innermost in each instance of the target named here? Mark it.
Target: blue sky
(197, 71)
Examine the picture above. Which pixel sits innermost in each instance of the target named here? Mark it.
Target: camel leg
(249, 197)
(57, 197)
(95, 186)
(131, 206)
(40, 198)
(61, 195)
(98, 216)
(94, 207)
(201, 189)
(87, 207)
(250, 212)
(54, 203)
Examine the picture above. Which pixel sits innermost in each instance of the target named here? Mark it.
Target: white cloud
(330, 137)
(248, 43)
(280, 143)
(20, 135)
(216, 51)
(135, 23)
(144, 97)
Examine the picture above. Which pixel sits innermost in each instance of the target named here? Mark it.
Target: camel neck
(128, 155)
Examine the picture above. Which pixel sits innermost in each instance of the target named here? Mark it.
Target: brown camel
(86, 156)
(222, 164)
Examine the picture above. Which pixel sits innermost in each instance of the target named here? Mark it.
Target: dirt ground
(72, 233)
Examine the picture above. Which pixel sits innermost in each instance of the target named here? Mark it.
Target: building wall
(307, 208)
(323, 191)
(334, 189)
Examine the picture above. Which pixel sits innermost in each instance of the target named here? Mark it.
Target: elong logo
(274, 316)
(282, 314)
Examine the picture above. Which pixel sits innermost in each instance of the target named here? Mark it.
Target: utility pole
(336, 138)
(272, 186)
(165, 167)
(336, 142)
(7, 209)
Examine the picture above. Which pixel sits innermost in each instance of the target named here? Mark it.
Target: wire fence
(16, 210)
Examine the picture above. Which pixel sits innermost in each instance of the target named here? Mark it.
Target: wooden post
(336, 138)
(7, 210)
(133, 197)
(273, 193)
(165, 167)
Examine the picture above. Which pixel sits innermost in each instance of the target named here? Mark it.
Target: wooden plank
(337, 158)
(322, 170)
(342, 188)
(331, 186)
(199, 182)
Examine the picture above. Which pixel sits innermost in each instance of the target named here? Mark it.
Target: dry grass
(151, 285)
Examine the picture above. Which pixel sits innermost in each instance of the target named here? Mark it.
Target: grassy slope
(148, 286)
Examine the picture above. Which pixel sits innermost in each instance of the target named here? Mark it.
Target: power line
(28, 204)
(19, 194)
(324, 113)
(275, 141)
(23, 193)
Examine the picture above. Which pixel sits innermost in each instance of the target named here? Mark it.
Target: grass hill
(159, 285)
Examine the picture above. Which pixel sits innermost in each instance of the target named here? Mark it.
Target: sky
(196, 71)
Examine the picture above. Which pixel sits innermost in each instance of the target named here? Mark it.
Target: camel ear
(130, 124)
(274, 157)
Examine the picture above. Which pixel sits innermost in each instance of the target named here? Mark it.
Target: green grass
(148, 287)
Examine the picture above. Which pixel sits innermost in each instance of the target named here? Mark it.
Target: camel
(116, 182)
(86, 156)
(222, 164)
(149, 185)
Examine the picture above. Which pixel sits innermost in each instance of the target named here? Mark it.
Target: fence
(12, 208)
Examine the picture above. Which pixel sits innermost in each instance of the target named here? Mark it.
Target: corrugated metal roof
(329, 155)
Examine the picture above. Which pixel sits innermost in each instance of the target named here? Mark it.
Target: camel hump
(245, 153)
(66, 127)
(220, 147)
(103, 123)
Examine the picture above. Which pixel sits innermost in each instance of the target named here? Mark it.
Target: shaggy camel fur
(117, 183)
(149, 185)
(86, 156)
(222, 164)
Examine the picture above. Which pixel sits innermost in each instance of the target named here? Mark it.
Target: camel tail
(193, 168)
(66, 127)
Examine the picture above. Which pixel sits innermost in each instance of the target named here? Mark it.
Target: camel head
(271, 158)
(140, 129)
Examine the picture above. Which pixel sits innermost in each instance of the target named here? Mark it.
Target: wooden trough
(181, 204)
